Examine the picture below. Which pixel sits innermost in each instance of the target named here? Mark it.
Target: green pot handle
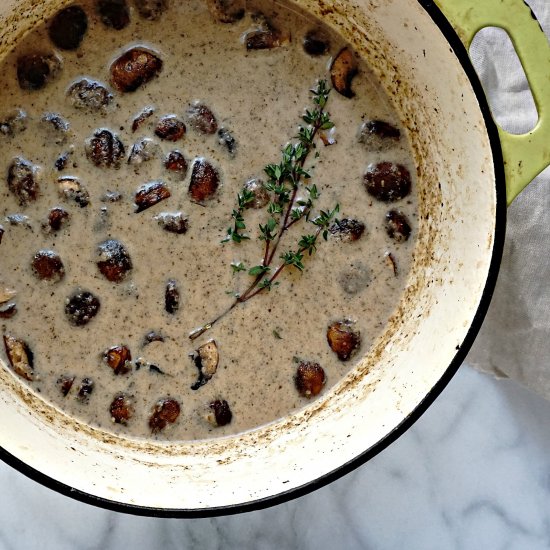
(525, 156)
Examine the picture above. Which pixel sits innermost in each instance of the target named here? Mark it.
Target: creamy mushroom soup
(207, 213)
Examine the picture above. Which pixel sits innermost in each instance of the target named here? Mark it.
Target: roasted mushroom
(68, 27)
(6, 294)
(205, 181)
(85, 390)
(316, 42)
(165, 411)
(142, 117)
(114, 13)
(261, 195)
(14, 123)
(121, 409)
(56, 127)
(342, 71)
(171, 297)
(134, 68)
(34, 71)
(265, 36)
(201, 118)
(57, 219)
(61, 161)
(19, 220)
(7, 311)
(150, 194)
(65, 383)
(152, 336)
(175, 163)
(48, 266)
(226, 11)
(220, 414)
(170, 128)
(20, 357)
(119, 359)
(173, 222)
(144, 150)
(89, 95)
(105, 150)
(347, 230)
(114, 261)
(378, 135)
(387, 182)
(397, 226)
(343, 339)
(309, 379)
(23, 180)
(206, 360)
(81, 307)
(226, 139)
(151, 10)
(71, 189)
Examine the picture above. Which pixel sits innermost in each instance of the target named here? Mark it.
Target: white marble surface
(473, 473)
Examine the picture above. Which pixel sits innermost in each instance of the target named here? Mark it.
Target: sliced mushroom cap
(7, 294)
(65, 383)
(397, 226)
(150, 194)
(134, 68)
(205, 181)
(89, 95)
(119, 359)
(342, 71)
(309, 379)
(7, 311)
(165, 411)
(105, 150)
(71, 189)
(48, 266)
(378, 135)
(316, 42)
(114, 261)
(347, 230)
(34, 71)
(171, 297)
(57, 218)
(201, 118)
(114, 13)
(68, 27)
(261, 195)
(170, 128)
(121, 409)
(343, 339)
(144, 150)
(23, 180)
(142, 117)
(85, 389)
(81, 307)
(20, 356)
(387, 181)
(209, 357)
(176, 164)
(220, 413)
(173, 222)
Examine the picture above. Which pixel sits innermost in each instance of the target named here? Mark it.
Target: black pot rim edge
(500, 227)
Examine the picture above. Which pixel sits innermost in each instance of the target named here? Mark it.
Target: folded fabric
(514, 341)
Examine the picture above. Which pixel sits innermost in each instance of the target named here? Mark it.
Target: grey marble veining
(472, 474)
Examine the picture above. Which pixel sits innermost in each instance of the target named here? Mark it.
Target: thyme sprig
(285, 209)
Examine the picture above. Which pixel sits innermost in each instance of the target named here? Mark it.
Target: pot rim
(498, 245)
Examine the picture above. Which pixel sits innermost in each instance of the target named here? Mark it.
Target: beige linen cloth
(514, 341)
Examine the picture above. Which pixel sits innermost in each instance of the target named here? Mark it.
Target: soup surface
(128, 135)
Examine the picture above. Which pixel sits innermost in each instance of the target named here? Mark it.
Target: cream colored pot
(424, 67)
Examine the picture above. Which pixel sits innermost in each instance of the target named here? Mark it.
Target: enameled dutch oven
(468, 170)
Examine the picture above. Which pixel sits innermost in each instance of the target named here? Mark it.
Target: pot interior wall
(452, 260)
